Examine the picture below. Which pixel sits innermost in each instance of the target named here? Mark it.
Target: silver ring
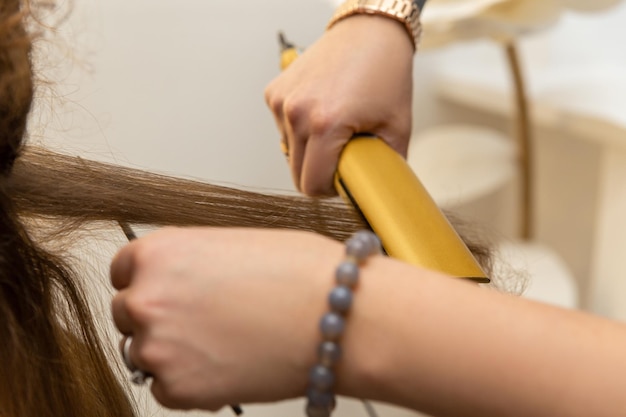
(137, 376)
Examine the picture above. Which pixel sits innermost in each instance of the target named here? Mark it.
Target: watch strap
(406, 12)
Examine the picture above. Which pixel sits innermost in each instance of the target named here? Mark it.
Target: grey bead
(373, 242)
(340, 299)
(321, 378)
(329, 353)
(315, 411)
(357, 248)
(317, 398)
(332, 326)
(362, 244)
(347, 274)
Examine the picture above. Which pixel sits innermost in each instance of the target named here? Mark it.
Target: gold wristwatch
(404, 11)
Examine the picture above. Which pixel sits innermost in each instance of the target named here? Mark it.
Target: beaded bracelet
(320, 397)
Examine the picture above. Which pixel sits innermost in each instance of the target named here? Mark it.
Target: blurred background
(177, 87)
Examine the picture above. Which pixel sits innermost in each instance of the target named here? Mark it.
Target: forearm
(447, 347)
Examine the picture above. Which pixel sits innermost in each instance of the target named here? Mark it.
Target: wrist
(320, 393)
(405, 12)
(369, 367)
(375, 32)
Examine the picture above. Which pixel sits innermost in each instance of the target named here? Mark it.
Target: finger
(320, 163)
(122, 267)
(125, 346)
(166, 398)
(130, 346)
(274, 102)
(296, 113)
(397, 136)
(119, 311)
(296, 144)
(400, 146)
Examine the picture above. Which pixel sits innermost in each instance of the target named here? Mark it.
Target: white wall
(177, 86)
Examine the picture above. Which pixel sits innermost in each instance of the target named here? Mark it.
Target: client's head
(16, 82)
(51, 361)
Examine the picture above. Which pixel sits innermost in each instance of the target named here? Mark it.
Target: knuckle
(153, 248)
(294, 108)
(151, 354)
(143, 254)
(274, 102)
(322, 122)
(137, 306)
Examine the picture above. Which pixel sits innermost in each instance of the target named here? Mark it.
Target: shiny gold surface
(400, 211)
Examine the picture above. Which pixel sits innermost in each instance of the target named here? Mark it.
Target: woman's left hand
(223, 316)
(357, 78)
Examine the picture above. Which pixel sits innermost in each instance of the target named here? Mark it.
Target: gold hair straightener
(386, 192)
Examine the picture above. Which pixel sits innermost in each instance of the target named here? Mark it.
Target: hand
(223, 316)
(357, 78)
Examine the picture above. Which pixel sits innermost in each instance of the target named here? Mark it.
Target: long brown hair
(52, 362)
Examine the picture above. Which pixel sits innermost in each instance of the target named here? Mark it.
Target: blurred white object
(471, 162)
(550, 279)
(446, 21)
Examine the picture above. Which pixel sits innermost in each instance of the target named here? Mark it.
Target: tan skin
(356, 78)
(223, 316)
